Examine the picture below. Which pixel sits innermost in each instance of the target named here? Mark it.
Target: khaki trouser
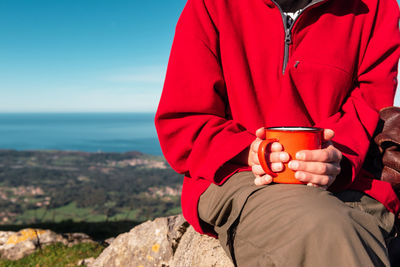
(296, 225)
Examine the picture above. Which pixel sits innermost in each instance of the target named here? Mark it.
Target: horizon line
(72, 112)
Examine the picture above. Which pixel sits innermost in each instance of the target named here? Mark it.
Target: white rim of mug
(295, 129)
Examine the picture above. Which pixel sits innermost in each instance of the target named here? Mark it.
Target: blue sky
(85, 55)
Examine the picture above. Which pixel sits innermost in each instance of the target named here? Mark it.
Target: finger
(276, 147)
(328, 134)
(276, 166)
(327, 144)
(260, 133)
(257, 170)
(263, 180)
(255, 145)
(320, 180)
(253, 153)
(320, 168)
(279, 157)
(329, 154)
(276, 154)
(253, 159)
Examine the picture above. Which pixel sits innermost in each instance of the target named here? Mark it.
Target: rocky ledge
(163, 242)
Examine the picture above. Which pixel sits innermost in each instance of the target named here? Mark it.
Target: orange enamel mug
(293, 139)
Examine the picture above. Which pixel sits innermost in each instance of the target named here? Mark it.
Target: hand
(277, 157)
(318, 167)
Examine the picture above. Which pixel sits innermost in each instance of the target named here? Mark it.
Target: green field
(57, 186)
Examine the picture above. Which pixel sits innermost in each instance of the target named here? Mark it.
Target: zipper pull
(288, 37)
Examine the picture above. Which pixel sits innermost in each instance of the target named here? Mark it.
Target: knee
(301, 210)
(340, 223)
(325, 219)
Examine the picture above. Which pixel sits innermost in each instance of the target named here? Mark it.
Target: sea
(91, 132)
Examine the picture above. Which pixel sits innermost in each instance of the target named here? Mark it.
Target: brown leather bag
(383, 158)
(383, 161)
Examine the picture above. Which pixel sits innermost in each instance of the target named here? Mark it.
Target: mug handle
(261, 155)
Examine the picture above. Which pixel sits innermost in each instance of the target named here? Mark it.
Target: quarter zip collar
(288, 30)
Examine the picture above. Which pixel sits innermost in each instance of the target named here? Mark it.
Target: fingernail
(277, 167)
(310, 184)
(300, 175)
(257, 181)
(294, 165)
(300, 156)
(283, 156)
(267, 179)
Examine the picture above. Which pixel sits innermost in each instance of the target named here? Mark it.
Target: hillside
(55, 186)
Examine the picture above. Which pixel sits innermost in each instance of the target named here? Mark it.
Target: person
(237, 67)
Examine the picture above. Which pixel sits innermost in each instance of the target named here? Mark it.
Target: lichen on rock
(16, 245)
(164, 242)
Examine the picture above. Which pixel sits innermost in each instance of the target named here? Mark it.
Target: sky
(85, 55)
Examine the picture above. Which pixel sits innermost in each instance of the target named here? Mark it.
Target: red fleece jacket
(225, 80)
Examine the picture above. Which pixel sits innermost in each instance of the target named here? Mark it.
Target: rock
(16, 245)
(4, 235)
(85, 262)
(17, 251)
(168, 242)
(163, 242)
(72, 239)
(152, 243)
(25, 242)
(43, 237)
(197, 250)
(108, 241)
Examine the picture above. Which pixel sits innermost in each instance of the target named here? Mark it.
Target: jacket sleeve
(374, 89)
(196, 135)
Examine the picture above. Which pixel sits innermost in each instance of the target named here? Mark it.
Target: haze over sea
(91, 132)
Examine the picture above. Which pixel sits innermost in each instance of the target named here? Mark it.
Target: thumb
(260, 133)
(328, 134)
